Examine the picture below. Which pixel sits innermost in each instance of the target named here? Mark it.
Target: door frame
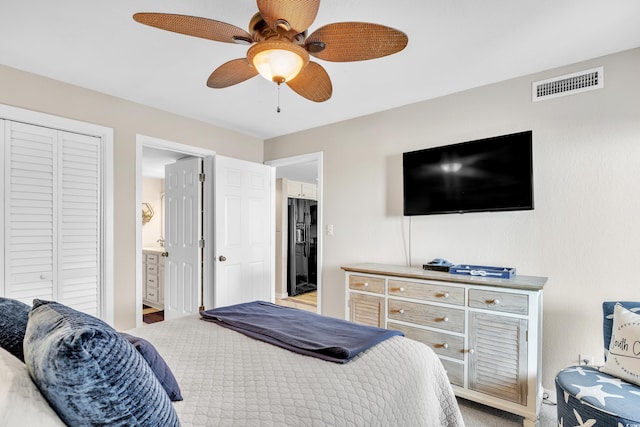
(306, 158)
(107, 304)
(207, 267)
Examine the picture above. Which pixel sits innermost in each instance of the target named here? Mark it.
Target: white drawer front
(447, 318)
(499, 301)
(366, 283)
(427, 292)
(442, 343)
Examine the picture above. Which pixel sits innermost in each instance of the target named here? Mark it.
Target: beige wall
(152, 189)
(583, 234)
(29, 91)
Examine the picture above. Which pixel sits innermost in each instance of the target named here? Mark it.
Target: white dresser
(153, 277)
(486, 331)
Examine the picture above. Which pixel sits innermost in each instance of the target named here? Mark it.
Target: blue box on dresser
(483, 270)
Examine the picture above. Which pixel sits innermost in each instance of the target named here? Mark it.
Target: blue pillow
(89, 373)
(13, 322)
(607, 319)
(157, 365)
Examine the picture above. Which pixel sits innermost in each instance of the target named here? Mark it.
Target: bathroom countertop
(158, 249)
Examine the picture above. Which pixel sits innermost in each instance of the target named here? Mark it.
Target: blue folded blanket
(301, 331)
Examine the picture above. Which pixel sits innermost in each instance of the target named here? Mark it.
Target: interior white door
(183, 229)
(243, 232)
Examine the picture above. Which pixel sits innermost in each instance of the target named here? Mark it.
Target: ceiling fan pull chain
(278, 110)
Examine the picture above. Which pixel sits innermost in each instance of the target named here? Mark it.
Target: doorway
(300, 240)
(152, 155)
(242, 216)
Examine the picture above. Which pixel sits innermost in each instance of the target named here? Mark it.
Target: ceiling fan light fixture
(278, 61)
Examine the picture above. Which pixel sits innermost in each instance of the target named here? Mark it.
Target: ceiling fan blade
(194, 26)
(355, 41)
(300, 14)
(312, 83)
(231, 73)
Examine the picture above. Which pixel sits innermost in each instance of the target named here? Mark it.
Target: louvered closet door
(79, 221)
(30, 176)
(498, 363)
(52, 216)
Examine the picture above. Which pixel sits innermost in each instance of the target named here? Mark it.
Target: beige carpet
(476, 415)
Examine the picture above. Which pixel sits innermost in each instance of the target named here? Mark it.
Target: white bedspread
(228, 379)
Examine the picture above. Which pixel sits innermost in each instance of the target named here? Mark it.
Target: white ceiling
(453, 45)
(154, 161)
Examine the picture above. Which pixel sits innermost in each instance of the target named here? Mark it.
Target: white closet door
(79, 221)
(30, 212)
(52, 216)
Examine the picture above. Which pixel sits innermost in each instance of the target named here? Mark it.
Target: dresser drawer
(152, 268)
(427, 291)
(152, 258)
(152, 295)
(365, 283)
(455, 372)
(499, 301)
(152, 281)
(448, 318)
(442, 343)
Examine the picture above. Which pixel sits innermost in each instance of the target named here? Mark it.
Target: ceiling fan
(280, 48)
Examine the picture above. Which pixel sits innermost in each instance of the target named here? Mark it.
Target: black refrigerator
(302, 270)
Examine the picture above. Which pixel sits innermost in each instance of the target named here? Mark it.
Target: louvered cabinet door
(366, 309)
(498, 356)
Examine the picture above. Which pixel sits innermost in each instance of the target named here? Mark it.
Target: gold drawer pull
(493, 302)
(444, 346)
(397, 289)
(400, 311)
(443, 295)
(471, 351)
(443, 319)
(365, 284)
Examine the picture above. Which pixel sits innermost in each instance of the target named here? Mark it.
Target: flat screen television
(492, 174)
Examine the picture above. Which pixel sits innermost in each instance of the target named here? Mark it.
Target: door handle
(164, 254)
(222, 258)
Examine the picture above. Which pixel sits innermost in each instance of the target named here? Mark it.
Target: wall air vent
(568, 84)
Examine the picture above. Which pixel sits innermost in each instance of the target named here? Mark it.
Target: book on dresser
(487, 331)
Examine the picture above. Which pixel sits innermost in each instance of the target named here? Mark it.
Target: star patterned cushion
(623, 360)
(587, 396)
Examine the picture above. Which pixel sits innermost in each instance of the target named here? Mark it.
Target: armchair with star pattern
(587, 396)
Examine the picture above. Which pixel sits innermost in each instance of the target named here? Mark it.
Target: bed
(229, 379)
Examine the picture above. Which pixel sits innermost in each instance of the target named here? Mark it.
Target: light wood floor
(306, 301)
(149, 310)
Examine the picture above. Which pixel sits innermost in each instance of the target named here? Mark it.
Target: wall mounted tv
(492, 174)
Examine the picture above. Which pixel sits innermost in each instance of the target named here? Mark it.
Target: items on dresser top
(483, 270)
(437, 264)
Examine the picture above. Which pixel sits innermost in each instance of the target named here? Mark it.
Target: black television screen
(492, 174)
